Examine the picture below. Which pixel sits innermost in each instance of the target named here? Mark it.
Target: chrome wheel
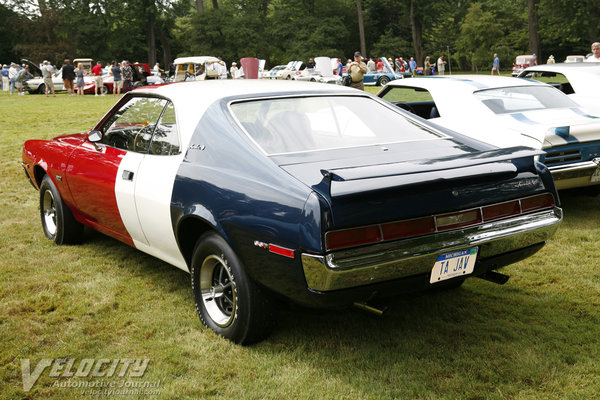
(218, 290)
(49, 212)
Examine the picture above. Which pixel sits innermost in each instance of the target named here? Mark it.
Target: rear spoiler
(339, 182)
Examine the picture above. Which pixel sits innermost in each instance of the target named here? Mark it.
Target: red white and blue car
(323, 195)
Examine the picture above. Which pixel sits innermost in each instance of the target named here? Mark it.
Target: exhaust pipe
(495, 277)
(378, 311)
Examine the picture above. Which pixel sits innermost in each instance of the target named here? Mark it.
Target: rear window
(300, 124)
(523, 98)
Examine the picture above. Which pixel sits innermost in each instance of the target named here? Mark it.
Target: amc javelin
(265, 190)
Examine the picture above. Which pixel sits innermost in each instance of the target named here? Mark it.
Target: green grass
(537, 337)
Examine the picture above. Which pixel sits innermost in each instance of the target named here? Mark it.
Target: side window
(555, 79)
(416, 100)
(165, 140)
(132, 126)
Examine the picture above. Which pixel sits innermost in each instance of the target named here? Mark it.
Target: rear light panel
(352, 237)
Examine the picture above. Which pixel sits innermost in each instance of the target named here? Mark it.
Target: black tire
(384, 80)
(57, 220)
(104, 89)
(41, 89)
(227, 300)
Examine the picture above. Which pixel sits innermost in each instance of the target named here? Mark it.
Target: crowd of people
(73, 77)
(14, 76)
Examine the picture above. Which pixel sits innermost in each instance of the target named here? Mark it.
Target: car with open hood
(319, 194)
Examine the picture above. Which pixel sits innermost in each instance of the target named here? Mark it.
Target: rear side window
(555, 79)
(314, 123)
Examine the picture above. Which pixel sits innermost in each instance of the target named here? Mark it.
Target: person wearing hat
(13, 71)
(21, 77)
(233, 70)
(357, 70)
(47, 72)
(5, 80)
(551, 60)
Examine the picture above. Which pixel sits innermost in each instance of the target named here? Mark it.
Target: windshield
(523, 98)
(303, 124)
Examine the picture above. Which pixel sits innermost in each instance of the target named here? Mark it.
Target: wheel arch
(189, 230)
(38, 174)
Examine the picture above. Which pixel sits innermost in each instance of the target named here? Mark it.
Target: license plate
(452, 265)
(596, 175)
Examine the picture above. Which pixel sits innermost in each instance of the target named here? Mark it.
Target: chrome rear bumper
(408, 257)
(575, 175)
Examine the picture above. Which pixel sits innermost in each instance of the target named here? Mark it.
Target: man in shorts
(97, 72)
(47, 73)
(115, 71)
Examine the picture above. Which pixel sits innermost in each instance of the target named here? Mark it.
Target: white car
(580, 81)
(290, 70)
(508, 112)
(575, 59)
(36, 84)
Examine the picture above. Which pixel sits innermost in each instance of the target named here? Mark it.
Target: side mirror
(95, 136)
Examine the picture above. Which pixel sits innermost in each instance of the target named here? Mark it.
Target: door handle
(127, 175)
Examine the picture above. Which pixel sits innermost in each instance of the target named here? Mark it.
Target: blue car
(267, 190)
(381, 78)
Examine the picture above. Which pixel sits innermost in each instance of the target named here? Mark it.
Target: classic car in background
(322, 194)
(574, 59)
(36, 84)
(581, 82)
(326, 66)
(509, 112)
(192, 68)
(381, 78)
(272, 73)
(290, 70)
(521, 62)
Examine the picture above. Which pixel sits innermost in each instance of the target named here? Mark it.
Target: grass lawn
(537, 337)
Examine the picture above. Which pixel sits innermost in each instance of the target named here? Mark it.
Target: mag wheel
(227, 300)
(57, 220)
(384, 80)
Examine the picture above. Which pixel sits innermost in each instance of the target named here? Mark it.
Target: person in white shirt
(222, 69)
(595, 57)
(12, 75)
(234, 70)
(47, 73)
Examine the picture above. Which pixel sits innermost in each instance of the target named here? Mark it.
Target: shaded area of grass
(536, 337)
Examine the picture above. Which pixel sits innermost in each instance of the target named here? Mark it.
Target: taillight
(352, 237)
(537, 202)
(437, 223)
(501, 210)
(413, 227)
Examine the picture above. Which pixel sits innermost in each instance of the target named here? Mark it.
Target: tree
(361, 27)
(532, 18)
(479, 33)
